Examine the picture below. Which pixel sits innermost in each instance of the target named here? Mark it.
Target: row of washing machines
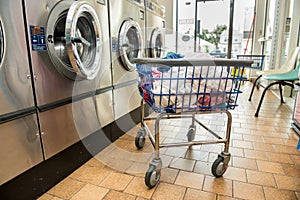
(66, 71)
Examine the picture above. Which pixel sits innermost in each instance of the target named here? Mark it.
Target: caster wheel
(152, 177)
(190, 135)
(140, 139)
(219, 167)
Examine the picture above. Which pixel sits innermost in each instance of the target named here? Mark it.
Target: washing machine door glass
(157, 43)
(74, 40)
(130, 43)
(1, 43)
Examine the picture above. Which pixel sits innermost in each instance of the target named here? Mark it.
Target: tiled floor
(264, 163)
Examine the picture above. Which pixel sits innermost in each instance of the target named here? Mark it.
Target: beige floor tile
(90, 192)
(212, 148)
(278, 157)
(262, 147)
(203, 168)
(94, 175)
(140, 156)
(167, 191)
(190, 179)
(258, 155)
(242, 144)
(218, 185)
(138, 169)
(78, 172)
(236, 151)
(271, 140)
(140, 198)
(236, 136)
(166, 160)
(120, 165)
(253, 138)
(244, 163)
(291, 170)
(286, 149)
(184, 164)
(288, 183)
(290, 142)
(261, 178)
(46, 197)
(273, 193)
(176, 152)
(271, 167)
(66, 188)
(94, 162)
(237, 174)
(115, 195)
(221, 197)
(137, 187)
(296, 159)
(247, 191)
(192, 194)
(168, 175)
(197, 155)
(116, 181)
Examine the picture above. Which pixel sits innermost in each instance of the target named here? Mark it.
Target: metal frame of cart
(225, 76)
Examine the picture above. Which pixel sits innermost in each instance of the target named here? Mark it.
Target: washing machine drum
(130, 43)
(157, 42)
(74, 40)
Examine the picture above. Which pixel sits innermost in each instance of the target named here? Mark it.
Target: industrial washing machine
(71, 67)
(155, 29)
(20, 146)
(127, 23)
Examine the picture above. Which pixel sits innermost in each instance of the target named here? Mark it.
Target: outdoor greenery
(214, 35)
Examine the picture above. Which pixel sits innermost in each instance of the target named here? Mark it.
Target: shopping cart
(180, 88)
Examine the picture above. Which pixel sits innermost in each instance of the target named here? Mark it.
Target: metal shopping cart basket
(258, 61)
(183, 88)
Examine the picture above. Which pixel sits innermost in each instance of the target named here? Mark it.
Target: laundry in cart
(184, 88)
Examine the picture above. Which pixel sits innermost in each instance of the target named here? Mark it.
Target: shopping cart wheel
(152, 176)
(140, 138)
(219, 167)
(191, 133)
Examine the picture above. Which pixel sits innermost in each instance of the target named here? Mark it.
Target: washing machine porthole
(130, 43)
(74, 41)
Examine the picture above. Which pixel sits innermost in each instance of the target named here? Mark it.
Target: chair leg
(263, 95)
(280, 91)
(254, 84)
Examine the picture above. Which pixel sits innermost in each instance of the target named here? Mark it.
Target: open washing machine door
(157, 43)
(74, 39)
(130, 43)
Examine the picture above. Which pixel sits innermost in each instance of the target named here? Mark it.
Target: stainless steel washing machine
(155, 29)
(20, 146)
(127, 23)
(71, 66)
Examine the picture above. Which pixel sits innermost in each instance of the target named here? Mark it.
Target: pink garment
(156, 73)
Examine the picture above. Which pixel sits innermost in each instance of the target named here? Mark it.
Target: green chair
(282, 79)
(287, 67)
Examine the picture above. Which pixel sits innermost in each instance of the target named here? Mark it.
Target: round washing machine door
(74, 39)
(130, 43)
(157, 43)
(1, 43)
